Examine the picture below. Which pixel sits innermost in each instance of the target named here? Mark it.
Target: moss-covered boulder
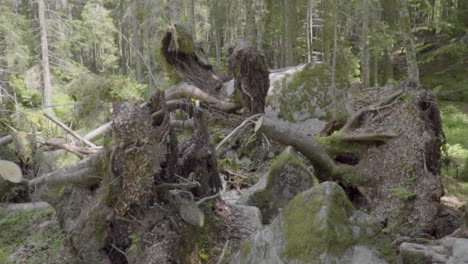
(301, 96)
(319, 225)
(287, 177)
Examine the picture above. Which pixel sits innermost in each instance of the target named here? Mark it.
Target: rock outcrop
(319, 225)
(288, 176)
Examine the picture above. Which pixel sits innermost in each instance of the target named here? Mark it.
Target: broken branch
(185, 90)
(69, 130)
(354, 119)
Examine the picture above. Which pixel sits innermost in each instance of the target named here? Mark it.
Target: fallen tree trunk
(25, 206)
(315, 152)
(69, 130)
(6, 140)
(96, 133)
(86, 172)
(185, 90)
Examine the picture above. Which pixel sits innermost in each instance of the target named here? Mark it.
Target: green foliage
(464, 174)
(402, 192)
(27, 97)
(22, 230)
(455, 126)
(14, 33)
(98, 33)
(94, 95)
(306, 240)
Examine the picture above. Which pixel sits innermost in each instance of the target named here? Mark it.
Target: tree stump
(251, 76)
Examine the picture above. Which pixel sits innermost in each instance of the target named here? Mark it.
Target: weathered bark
(251, 76)
(86, 172)
(303, 143)
(6, 140)
(129, 178)
(392, 171)
(198, 155)
(185, 90)
(187, 61)
(25, 206)
(47, 92)
(98, 131)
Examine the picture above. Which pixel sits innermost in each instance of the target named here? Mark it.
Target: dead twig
(69, 130)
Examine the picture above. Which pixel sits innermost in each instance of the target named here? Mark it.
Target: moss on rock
(325, 231)
(288, 176)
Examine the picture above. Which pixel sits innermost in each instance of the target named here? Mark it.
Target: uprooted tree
(386, 156)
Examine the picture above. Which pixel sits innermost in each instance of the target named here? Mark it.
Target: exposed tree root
(355, 117)
(303, 143)
(381, 136)
(185, 90)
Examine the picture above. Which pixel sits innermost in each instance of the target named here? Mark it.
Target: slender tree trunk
(408, 42)
(310, 29)
(365, 60)
(192, 20)
(250, 25)
(148, 55)
(47, 92)
(388, 66)
(260, 24)
(375, 65)
(333, 70)
(137, 43)
(289, 31)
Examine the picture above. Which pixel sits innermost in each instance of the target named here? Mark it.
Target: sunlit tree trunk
(408, 42)
(365, 58)
(289, 32)
(250, 25)
(47, 92)
(137, 43)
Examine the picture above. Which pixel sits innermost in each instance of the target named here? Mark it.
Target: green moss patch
(311, 231)
(33, 237)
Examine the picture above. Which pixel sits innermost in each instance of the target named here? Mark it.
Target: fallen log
(315, 152)
(6, 140)
(84, 172)
(25, 206)
(185, 90)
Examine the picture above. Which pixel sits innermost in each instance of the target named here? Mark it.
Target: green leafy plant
(403, 193)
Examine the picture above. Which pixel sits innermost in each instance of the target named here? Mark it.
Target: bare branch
(69, 130)
(354, 119)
